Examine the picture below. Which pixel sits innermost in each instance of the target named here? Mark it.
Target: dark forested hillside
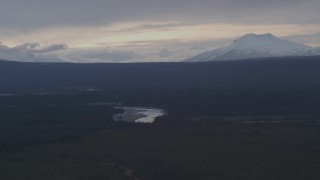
(259, 73)
(251, 119)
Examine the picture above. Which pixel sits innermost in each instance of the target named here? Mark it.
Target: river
(139, 114)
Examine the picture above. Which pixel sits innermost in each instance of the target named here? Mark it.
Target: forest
(58, 124)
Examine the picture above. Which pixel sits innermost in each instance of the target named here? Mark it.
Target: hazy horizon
(145, 30)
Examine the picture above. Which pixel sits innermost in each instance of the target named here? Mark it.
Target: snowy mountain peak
(266, 41)
(257, 36)
(256, 46)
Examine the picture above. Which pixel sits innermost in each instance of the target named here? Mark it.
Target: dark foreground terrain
(65, 136)
(245, 120)
(217, 151)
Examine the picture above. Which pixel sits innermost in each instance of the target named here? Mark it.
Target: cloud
(94, 55)
(37, 48)
(34, 52)
(148, 43)
(30, 52)
(34, 14)
(164, 53)
(8, 53)
(145, 27)
(105, 55)
(50, 48)
(309, 39)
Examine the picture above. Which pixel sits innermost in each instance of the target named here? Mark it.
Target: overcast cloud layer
(144, 30)
(45, 13)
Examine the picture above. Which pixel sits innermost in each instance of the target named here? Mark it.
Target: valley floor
(205, 135)
(226, 151)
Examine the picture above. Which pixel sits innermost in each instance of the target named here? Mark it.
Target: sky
(145, 30)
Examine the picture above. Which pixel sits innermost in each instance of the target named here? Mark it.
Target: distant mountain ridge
(252, 46)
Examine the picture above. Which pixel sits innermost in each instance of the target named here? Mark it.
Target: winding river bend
(139, 114)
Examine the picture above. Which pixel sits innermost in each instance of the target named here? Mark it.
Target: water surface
(139, 114)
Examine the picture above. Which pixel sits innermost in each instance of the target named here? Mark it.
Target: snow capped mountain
(317, 50)
(256, 46)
